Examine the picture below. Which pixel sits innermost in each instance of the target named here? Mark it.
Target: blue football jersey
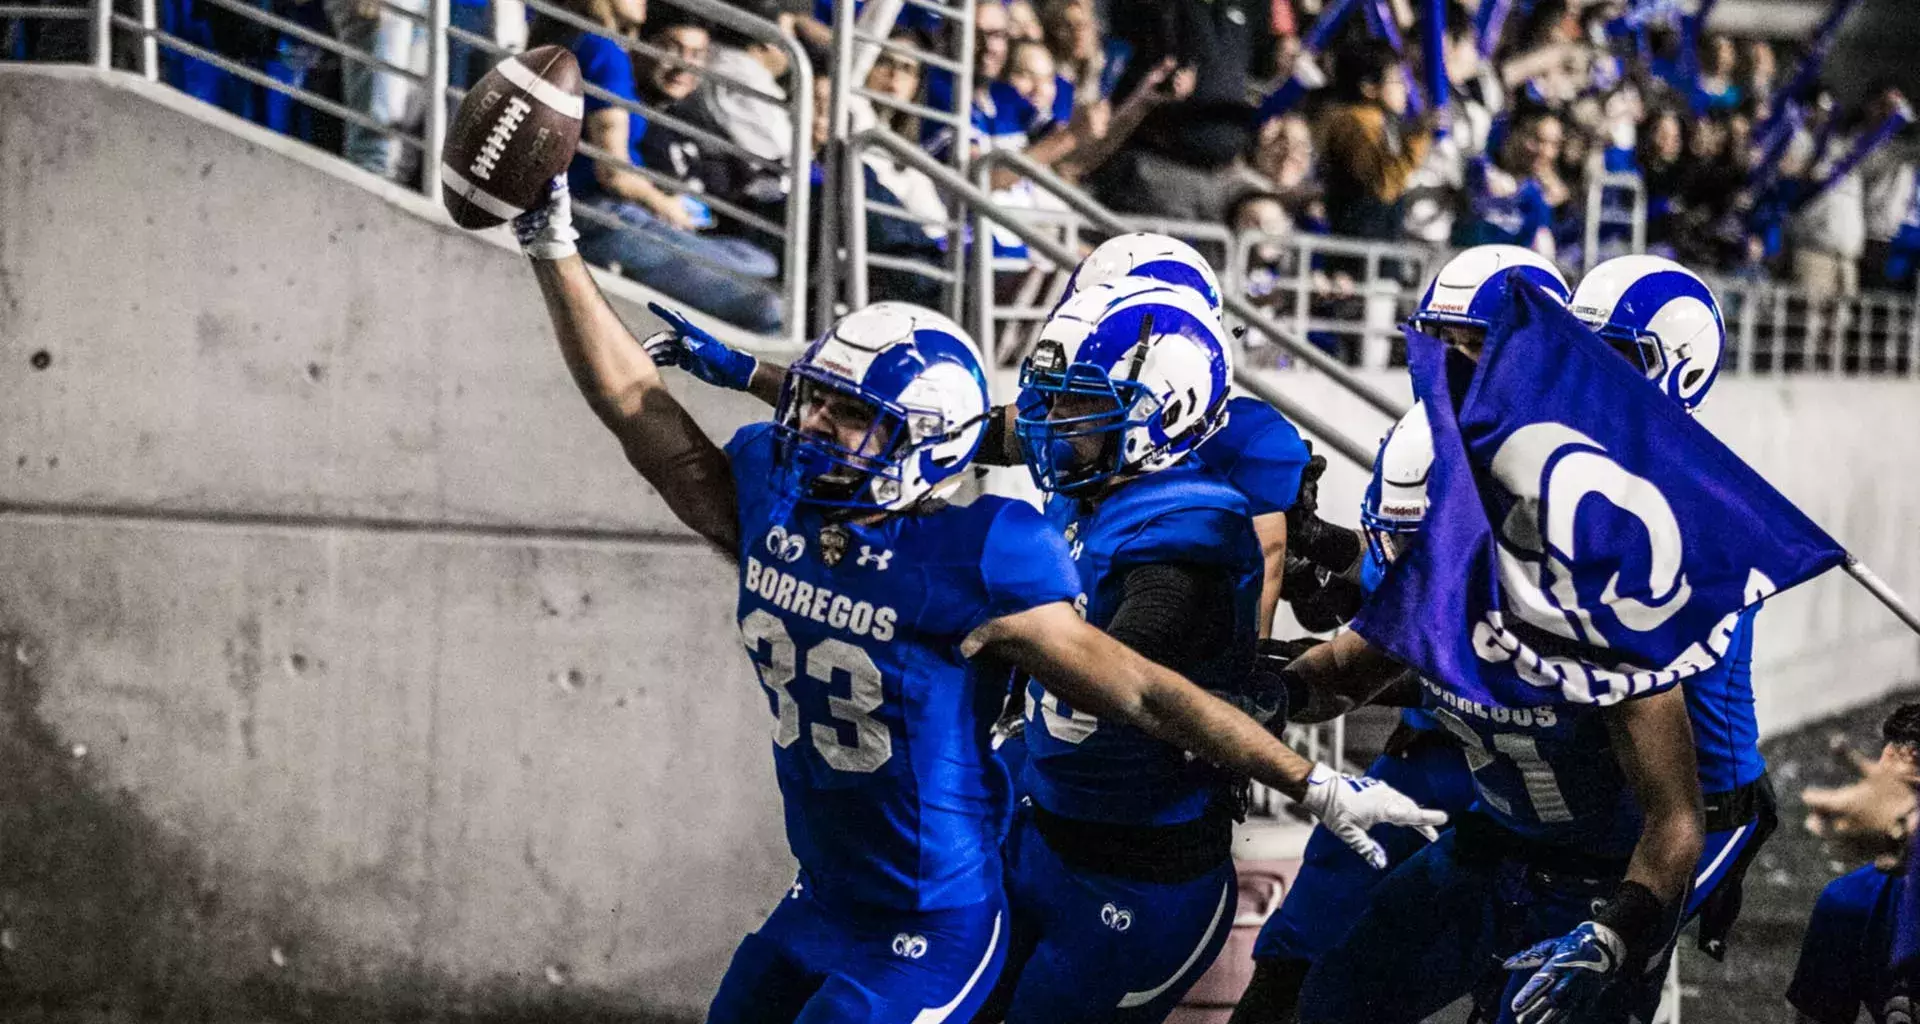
(1726, 735)
(881, 730)
(1846, 959)
(1090, 770)
(1260, 454)
(1545, 773)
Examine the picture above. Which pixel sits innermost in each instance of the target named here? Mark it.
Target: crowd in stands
(1154, 106)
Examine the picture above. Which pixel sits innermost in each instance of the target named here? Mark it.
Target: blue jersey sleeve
(1261, 455)
(1024, 564)
(1192, 536)
(604, 63)
(1827, 985)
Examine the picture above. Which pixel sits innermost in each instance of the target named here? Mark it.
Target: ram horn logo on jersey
(913, 947)
(787, 547)
(1586, 540)
(1117, 918)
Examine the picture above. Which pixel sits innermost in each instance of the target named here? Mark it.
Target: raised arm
(1097, 673)
(1337, 676)
(622, 385)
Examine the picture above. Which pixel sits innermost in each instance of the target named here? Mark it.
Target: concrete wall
(383, 663)
(359, 673)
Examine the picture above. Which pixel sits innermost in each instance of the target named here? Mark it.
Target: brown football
(514, 132)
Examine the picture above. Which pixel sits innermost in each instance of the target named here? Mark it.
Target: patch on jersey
(787, 547)
(833, 544)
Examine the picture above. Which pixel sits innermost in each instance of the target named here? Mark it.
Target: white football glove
(546, 232)
(1350, 805)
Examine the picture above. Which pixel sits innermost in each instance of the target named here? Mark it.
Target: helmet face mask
(1070, 420)
(1662, 317)
(883, 411)
(1470, 290)
(1128, 378)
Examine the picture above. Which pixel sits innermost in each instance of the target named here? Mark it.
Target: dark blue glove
(697, 352)
(1568, 972)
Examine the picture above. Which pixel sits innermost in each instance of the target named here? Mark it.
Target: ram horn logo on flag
(1586, 541)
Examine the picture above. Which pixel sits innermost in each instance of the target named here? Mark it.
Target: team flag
(1586, 541)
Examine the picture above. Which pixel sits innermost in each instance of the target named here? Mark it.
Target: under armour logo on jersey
(794, 893)
(787, 547)
(1074, 551)
(913, 947)
(1117, 918)
(877, 559)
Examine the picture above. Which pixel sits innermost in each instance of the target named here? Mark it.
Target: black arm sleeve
(1175, 614)
(997, 447)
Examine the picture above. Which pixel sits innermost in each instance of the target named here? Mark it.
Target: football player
(1846, 960)
(1580, 856)
(1258, 451)
(1120, 864)
(1664, 320)
(1421, 759)
(862, 597)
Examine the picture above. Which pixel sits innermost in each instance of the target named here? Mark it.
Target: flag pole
(1878, 588)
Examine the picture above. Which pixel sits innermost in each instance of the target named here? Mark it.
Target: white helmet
(1470, 289)
(919, 374)
(1396, 500)
(1662, 317)
(1150, 255)
(1153, 369)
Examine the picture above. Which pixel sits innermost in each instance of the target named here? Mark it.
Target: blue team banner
(1586, 541)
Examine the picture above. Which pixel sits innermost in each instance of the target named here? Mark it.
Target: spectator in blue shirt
(1847, 960)
(1508, 198)
(1714, 89)
(627, 220)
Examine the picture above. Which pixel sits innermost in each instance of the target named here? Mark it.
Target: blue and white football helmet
(1662, 317)
(917, 375)
(1147, 254)
(1395, 504)
(1127, 378)
(1470, 289)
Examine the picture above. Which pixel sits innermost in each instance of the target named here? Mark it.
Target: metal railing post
(149, 46)
(436, 98)
(103, 34)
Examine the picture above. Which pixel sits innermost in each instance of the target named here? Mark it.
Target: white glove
(546, 232)
(1348, 806)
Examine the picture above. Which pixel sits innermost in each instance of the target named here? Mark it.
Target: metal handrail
(1597, 187)
(1238, 305)
(987, 212)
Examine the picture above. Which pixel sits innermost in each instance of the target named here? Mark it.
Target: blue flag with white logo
(1586, 541)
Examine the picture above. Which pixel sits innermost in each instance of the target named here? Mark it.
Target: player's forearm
(1271, 529)
(611, 370)
(1653, 741)
(767, 380)
(1342, 674)
(1172, 709)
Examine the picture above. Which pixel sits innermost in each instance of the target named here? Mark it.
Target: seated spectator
(1507, 200)
(1073, 36)
(1714, 89)
(627, 220)
(885, 233)
(746, 85)
(389, 100)
(674, 88)
(1369, 154)
(897, 74)
(1023, 23)
(1757, 74)
(1284, 170)
(1031, 73)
